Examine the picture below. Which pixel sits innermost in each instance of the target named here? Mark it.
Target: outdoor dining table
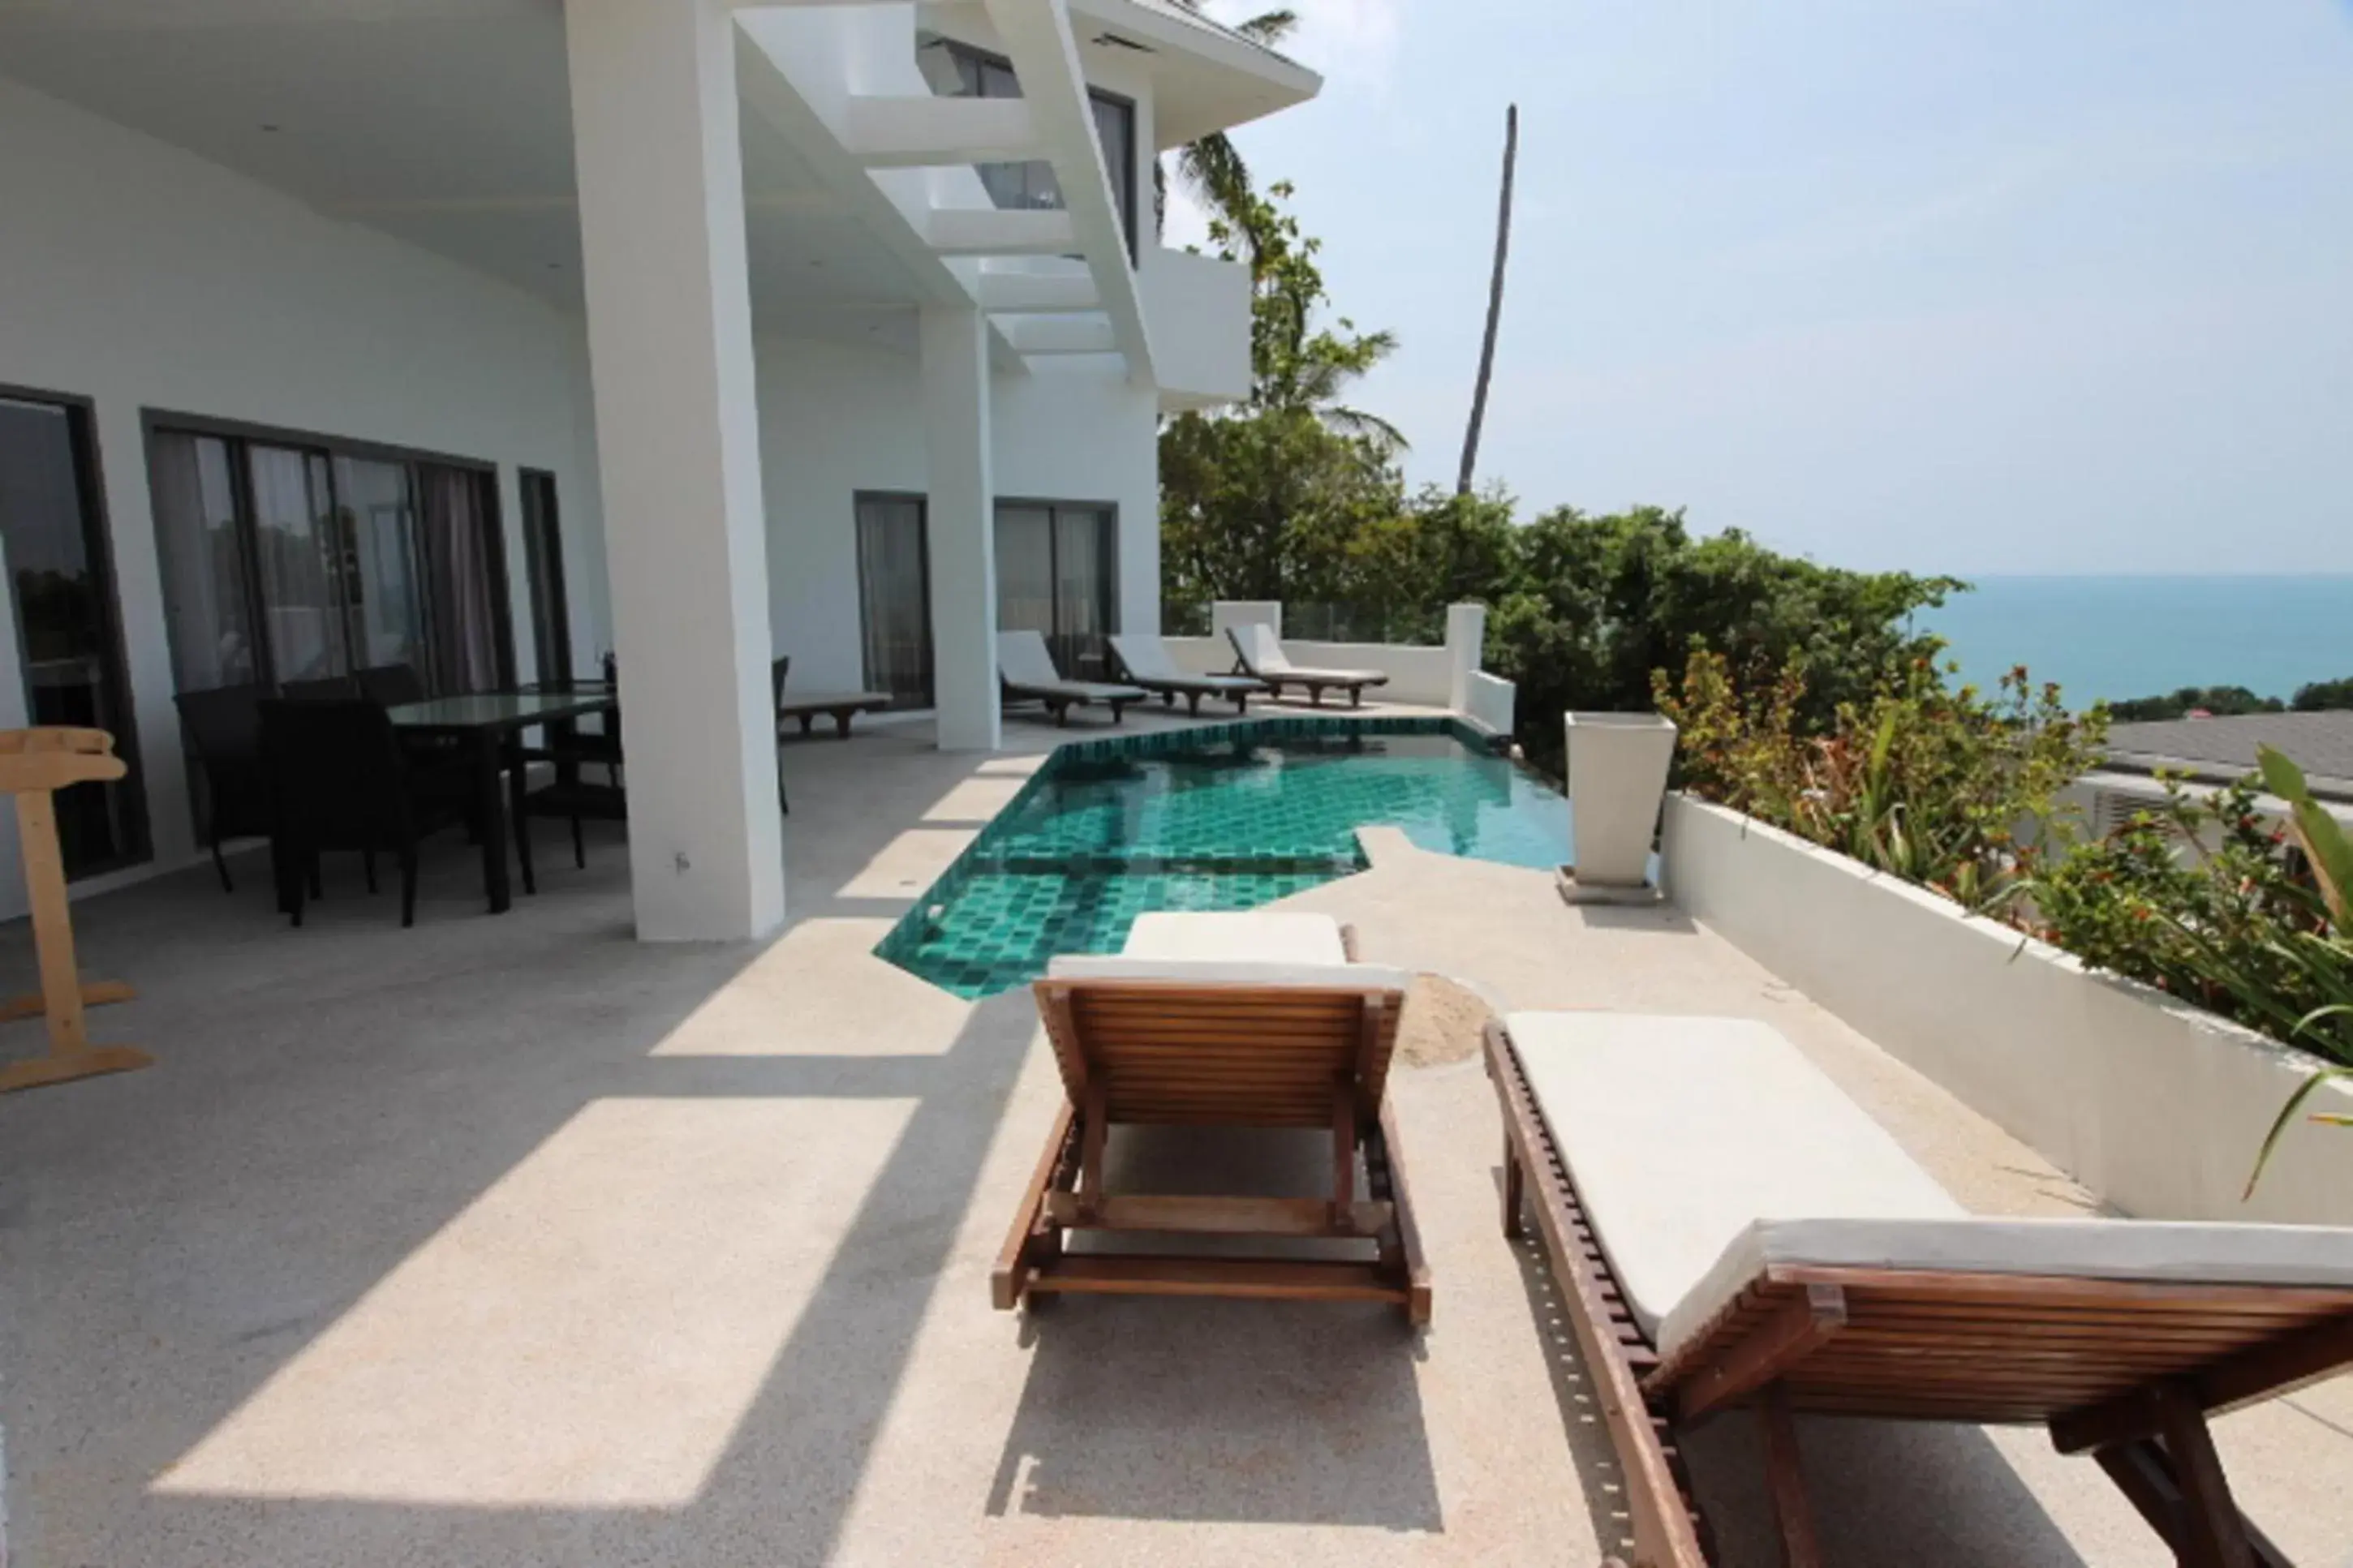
(490, 722)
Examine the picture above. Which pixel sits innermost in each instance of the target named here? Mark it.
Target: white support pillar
(1466, 652)
(961, 514)
(670, 337)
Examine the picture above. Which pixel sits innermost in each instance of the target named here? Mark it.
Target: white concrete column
(670, 340)
(1466, 651)
(961, 523)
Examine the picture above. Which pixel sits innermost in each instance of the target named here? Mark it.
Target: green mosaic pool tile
(1224, 816)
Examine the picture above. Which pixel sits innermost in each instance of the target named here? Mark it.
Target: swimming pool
(1227, 816)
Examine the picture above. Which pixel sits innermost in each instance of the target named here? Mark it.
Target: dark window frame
(1123, 186)
(98, 532)
(242, 434)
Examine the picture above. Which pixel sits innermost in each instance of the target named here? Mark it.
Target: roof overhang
(1205, 78)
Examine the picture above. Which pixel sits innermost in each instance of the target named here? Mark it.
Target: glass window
(383, 584)
(972, 74)
(1055, 575)
(295, 543)
(63, 588)
(207, 612)
(895, 598)
(297, 559)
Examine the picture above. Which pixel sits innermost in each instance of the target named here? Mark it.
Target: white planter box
(1616, 773)
(2157, 1107)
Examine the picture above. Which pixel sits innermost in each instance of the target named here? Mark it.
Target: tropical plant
(2221, 701)
(1243, 491)
(2200, 897)
(2328, 851)
(1929, 783)
(1593, 605)
(1212, 167)
(2321, 695)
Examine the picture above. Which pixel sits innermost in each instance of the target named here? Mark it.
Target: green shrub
(1927, 783)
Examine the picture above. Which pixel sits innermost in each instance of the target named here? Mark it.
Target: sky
(1972, 286)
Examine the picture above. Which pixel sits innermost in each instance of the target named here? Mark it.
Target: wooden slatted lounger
(1146, 661)
(1026, 670)
(1258, 653)
(1163, 1034)
(841, 706)
(1729, 1229)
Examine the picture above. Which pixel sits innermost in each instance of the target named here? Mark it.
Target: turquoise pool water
(1227, 818)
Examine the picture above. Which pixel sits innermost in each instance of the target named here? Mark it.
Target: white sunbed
(1026, 670)
(1146, 661)
(1728, 1227)
(1258, 653)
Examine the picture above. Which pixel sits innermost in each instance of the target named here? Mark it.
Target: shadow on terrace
(511, 1241)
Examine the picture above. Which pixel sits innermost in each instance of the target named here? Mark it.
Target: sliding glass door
(895, 598)
(297, 559)
(1057, 574)
(68, 641)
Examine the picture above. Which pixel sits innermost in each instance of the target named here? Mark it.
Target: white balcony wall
(142, 277)
(1199, 311)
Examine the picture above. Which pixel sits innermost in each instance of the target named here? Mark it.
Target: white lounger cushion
(2147, 1250)
(1023, 662)
(1254, 937)
(1262, 653)
(1706, 1149)
(1147, 658)
(1681, 1133)
(1228, 971)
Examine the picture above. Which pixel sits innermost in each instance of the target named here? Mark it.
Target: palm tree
(1211, 167)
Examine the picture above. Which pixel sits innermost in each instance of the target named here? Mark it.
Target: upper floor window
(958, 70)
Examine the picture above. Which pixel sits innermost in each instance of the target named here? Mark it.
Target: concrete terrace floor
(513, 1242)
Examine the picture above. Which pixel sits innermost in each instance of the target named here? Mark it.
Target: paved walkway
(513, 1242)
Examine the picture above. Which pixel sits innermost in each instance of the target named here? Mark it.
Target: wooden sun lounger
(1144, 661)
(1026, 672)
(1188, 1042)
(1258, 653)
(842, 706)
(2100, 1329)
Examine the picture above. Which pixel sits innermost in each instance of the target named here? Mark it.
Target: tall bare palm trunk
(1494, 305)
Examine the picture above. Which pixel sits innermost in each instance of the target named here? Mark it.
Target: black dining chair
(391, 685)
(777, 671)
(341, 780)
(328, 689)
(223, 726)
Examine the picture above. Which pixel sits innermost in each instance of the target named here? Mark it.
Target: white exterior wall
(144, 278)
(838, 420)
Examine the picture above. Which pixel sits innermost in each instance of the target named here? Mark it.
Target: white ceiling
(445, 123)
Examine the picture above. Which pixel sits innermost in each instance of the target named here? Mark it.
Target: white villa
(490, 335)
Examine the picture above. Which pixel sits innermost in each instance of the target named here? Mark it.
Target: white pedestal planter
(1617, 776)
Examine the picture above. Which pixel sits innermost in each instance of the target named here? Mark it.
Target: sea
(2106, 638)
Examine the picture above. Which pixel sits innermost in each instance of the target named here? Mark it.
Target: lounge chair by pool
(1026, 670)
(1727, 1227)
(1258, 653)
(1176, 1032)
(1146, 661)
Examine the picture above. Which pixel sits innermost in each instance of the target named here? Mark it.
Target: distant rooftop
(2319, 743)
